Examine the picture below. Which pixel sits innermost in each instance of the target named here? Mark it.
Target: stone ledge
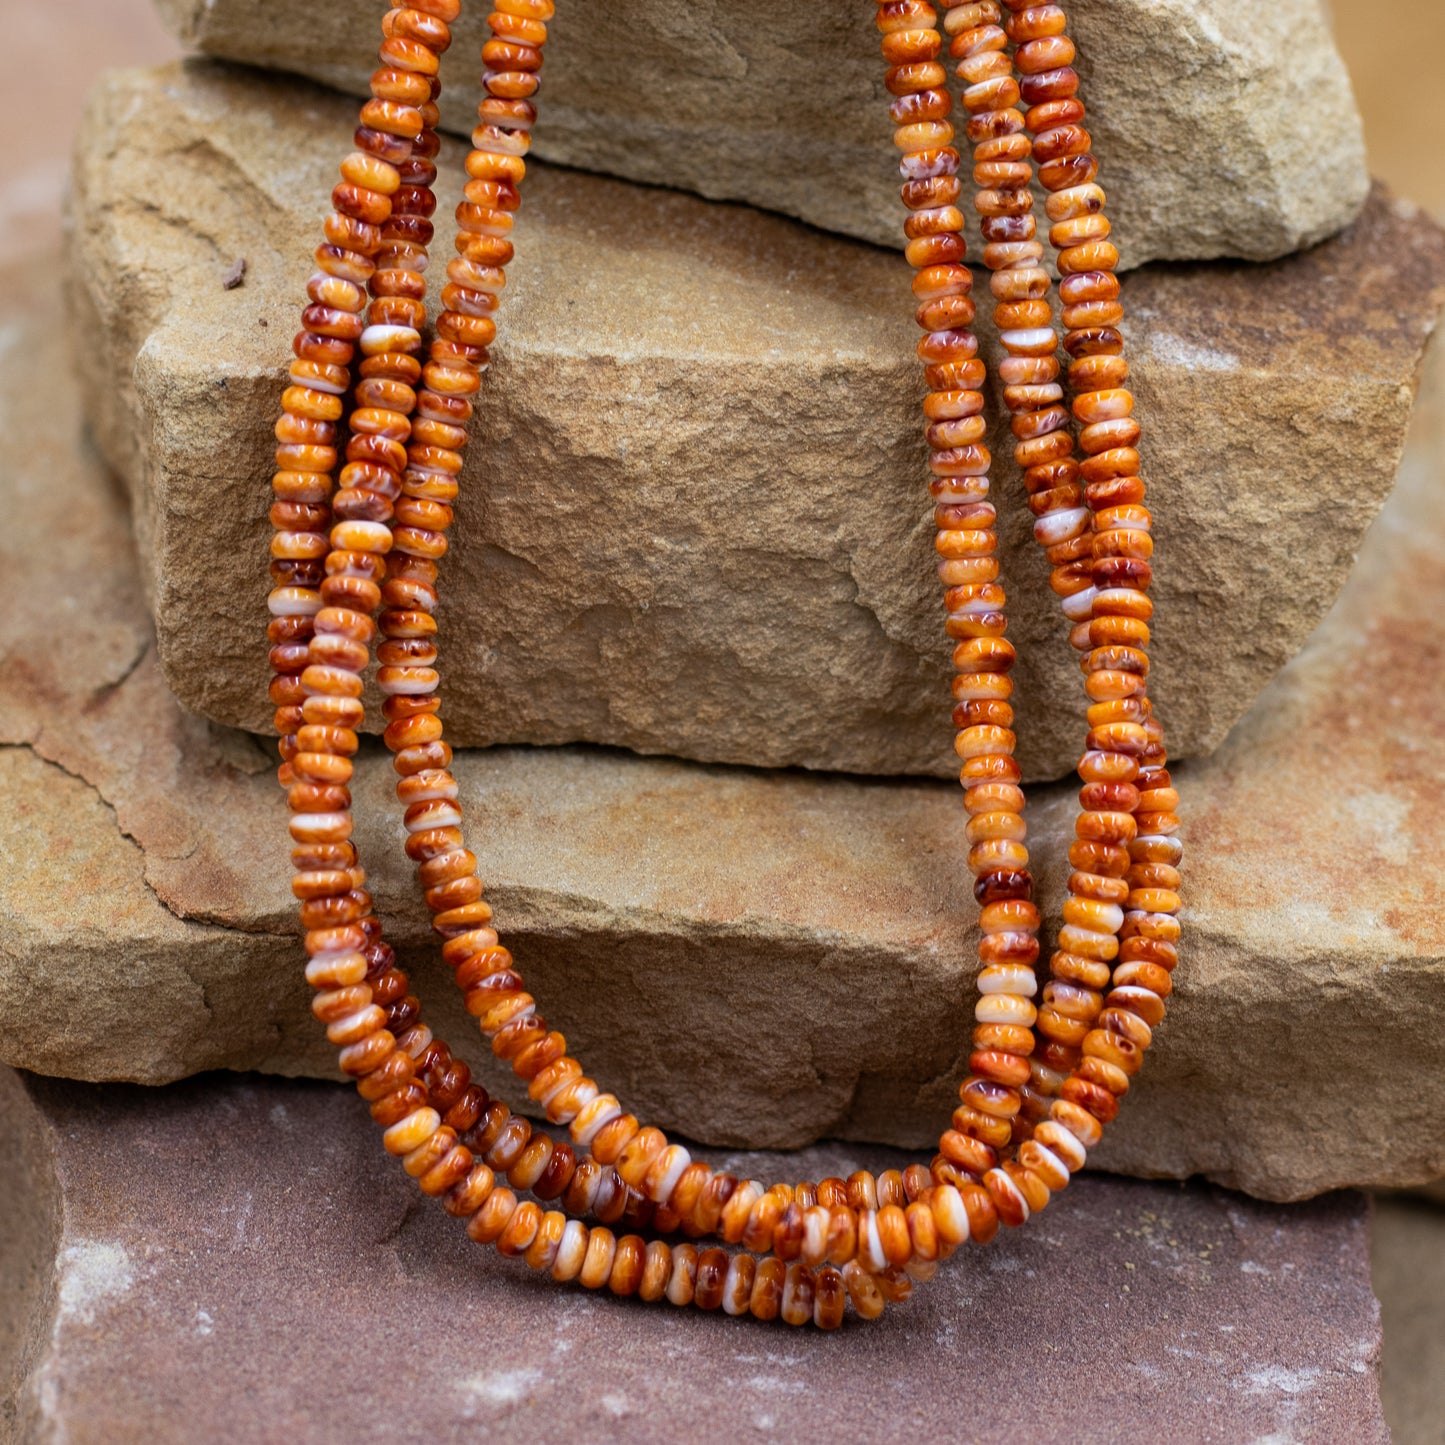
(699, 453)
(235, 1254)
(1214, 126)
(751, 958)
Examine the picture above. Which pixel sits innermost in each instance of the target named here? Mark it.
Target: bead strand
(645, 1146)
(408, 676)
(473, 920)
(989, 1101)
(691, 1196)
(1114, 632)
(438, 1159)
(396, 1072)
(877, 1229)
(400, 136)
(349, 962)
(1044, 452)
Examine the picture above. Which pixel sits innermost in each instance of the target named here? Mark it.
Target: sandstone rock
(696, 482)
(753, 958)
(223, 1253)
(1224, 128)
(1407, 1267)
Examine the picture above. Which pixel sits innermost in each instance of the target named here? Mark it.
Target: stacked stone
(863, 1225)
(382, 484)
(879, 692)
(320, 700)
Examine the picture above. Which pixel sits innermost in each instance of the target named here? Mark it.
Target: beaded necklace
(359, 555)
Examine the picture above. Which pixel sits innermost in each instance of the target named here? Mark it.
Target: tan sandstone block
(1224, 127)
(749, 957)
(693, 519)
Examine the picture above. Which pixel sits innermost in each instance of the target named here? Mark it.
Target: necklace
(1044, 1078)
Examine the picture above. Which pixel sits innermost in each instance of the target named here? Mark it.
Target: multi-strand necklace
(609, 1202)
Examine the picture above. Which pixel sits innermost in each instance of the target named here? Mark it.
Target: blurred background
(1400, 106)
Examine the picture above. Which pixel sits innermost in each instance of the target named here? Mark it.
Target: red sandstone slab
(236, 1259)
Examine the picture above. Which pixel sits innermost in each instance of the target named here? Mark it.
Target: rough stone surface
(693, 520)
(235, 1257)
(753, 958)
(1225, 128)
(1407, 1267)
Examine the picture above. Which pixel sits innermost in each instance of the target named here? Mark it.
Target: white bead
(476, 277)
(1062, 526)
(1147, 1031)
(679, 1287)
(976, 607)
(413, 686)
(319, 827)
(571, 1251)
(1029, 338)
(474, 227)
(677, 1159)
(1005, 1185)
(1111, 919)
(1005, 1008)
(1052, 1135)
(317, 383)
(294, 602)
(815, 1234)
(1127, 994)
(1011, 978)
(1079, 606)
(583, 1092)
(361, 536)
(961, 489)
(491, 140)
(354, 569)
(563, 1083)
(337, 968)
(602, 1110)
(414, 472)
(436, 818)
(354, 1027)
(1074, 939)
(377, 339)
(411, 1132)
(1052, 1161)
(744, 1197)
(1118, 595)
